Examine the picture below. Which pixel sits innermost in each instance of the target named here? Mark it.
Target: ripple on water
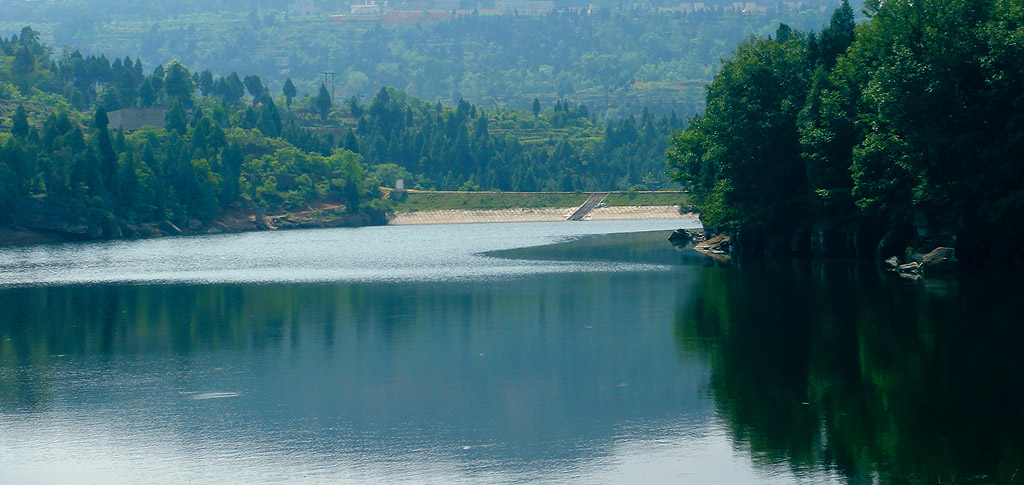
(202, 396)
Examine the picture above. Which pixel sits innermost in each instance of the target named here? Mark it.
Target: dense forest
(902, 131)
(70, 171)
(558, 148)
(617, 61)
(229, 148)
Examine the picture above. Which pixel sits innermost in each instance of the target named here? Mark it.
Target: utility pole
(329, 81)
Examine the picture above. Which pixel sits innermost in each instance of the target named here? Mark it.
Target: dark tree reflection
(842, 367)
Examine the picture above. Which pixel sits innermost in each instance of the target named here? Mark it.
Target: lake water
(588, 352)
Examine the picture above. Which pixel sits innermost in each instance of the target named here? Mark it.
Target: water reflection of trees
(41, 322)
(40, 325)
(534, 366)
(840, 367)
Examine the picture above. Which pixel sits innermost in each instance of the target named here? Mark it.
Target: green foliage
(386, 174)
(228, 156)
(837, 37)
(748, 138)
(178, 84)
(424, 201)
(24, 63)
(467, 147)
(640, 197)
(910, 119)
(616, 58)
(175, 119)
(289, 91)
(19, 125)
(323, 103)
(254, 85)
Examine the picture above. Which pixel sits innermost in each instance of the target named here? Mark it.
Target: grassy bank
(618, 199)
(415, 201)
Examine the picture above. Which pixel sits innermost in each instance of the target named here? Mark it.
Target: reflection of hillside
(551, 368)
(837, 366)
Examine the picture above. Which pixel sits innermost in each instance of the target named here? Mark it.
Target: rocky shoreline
(55, 220)
(915, 264)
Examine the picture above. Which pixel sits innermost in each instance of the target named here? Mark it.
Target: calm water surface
(450, 354)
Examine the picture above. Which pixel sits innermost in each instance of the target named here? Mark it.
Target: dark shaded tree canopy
(902, 131)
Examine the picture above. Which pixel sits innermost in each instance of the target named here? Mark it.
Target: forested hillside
(559, 148)
(229, 147)
(69, 171)
(906, 130)
(616, 61)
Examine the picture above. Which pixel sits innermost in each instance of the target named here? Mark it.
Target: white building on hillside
(300, 8)
(370, 7)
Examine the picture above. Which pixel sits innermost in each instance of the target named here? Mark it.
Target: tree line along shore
(221, 153)
(882, 138)
(412, 207)
(888, 136)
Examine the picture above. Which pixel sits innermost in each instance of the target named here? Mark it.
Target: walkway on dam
(588, 206)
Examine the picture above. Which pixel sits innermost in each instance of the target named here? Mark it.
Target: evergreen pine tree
(289, 92)
(175, 120)
(107, 156)
(323, 103)
(838, 35)
(351, 144)
(19, 126)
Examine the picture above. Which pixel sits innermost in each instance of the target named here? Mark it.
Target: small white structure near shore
(370, 7)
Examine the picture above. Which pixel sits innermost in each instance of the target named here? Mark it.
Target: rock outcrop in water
(685, 237)
(938, 261)
(941, 259)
